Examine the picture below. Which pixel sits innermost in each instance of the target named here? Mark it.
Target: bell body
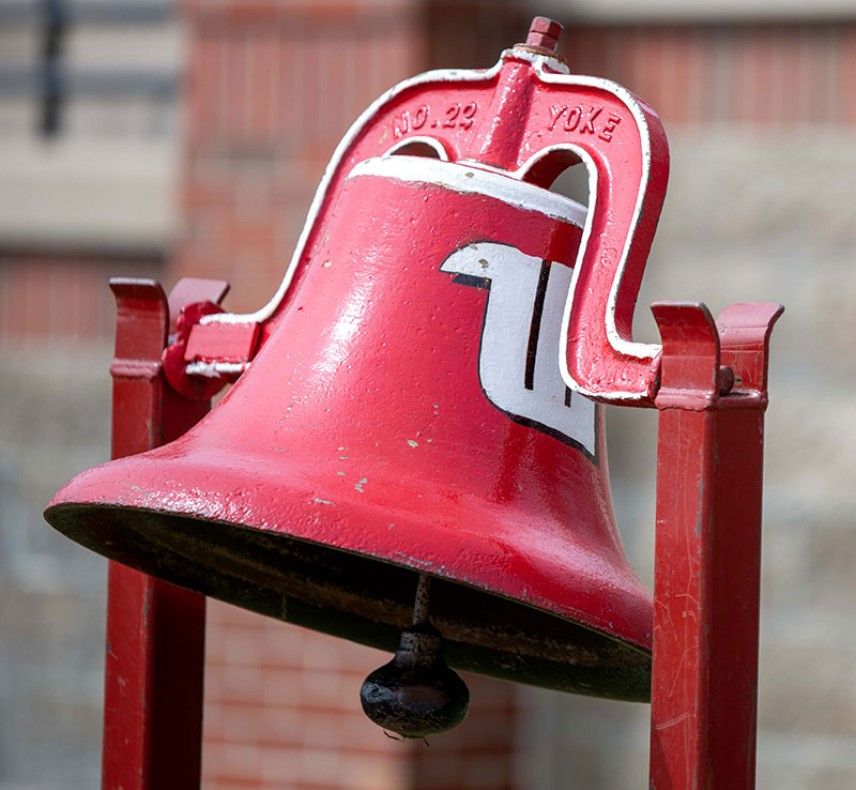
(406, 416)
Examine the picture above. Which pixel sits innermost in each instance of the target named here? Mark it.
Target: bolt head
(544, 33)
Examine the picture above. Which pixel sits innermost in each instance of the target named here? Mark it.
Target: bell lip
(628, 682)
(59, 508)
(105, 486)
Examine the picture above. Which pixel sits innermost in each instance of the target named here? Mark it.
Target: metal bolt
(725, 379)
(544, 33)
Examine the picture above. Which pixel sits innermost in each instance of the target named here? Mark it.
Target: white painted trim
(471, 180)
(537, 60)
(628, 348)
(439, 75)
(213, 370)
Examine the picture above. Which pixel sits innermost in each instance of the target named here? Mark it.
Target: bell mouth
(361, 598)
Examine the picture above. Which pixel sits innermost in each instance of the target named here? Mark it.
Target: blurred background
(161, 139)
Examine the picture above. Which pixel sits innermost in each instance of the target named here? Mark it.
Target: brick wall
(281, 707)
(56, 322)
(282, 710)
(87, 204)
(56, 296)
(781, 76)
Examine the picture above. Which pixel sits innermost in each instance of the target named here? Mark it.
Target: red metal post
(708, 542)
(155, 630)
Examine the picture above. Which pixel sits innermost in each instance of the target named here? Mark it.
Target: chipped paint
(215, 370)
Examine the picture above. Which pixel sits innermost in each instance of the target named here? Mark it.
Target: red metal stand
(155, 630)
(712, 396)
(708, 543)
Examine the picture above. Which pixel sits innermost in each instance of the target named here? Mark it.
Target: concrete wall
(53, 421)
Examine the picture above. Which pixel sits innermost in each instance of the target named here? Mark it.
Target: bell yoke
(422, 400)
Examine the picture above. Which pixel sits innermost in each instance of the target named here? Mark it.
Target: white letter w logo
(519, 359)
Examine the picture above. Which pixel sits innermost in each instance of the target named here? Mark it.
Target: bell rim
(59, 508)
(304, 514)
(468, 657)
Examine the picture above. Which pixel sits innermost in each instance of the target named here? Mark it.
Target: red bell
(407, 415)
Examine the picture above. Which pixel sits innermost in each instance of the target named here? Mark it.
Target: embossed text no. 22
(453, 116)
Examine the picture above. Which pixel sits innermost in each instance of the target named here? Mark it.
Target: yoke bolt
(544, 33)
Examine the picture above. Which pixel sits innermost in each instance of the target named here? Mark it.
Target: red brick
(63, 297)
